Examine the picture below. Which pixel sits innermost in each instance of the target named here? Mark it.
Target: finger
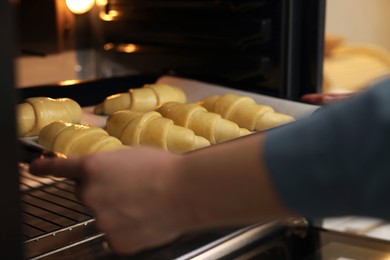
(312, 98)
(58, 167)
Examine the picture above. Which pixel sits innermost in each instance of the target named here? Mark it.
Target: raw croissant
(207, 124)
(150, 128)
(76, 139)
(143, 99)
(37, 112)
(245, 112)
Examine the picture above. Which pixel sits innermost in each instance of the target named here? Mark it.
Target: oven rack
(54, 219)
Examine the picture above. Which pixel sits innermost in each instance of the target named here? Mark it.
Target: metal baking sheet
(197, 90)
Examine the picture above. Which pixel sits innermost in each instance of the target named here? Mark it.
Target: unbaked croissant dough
(207, 124)
(37, 112)
(76, 139)
(150, 128)
(245, 112)
(144, 99)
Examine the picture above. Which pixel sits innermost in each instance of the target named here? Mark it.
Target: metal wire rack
(53, 218)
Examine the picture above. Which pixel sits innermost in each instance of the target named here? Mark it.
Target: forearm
(336, 161)
(227, 184)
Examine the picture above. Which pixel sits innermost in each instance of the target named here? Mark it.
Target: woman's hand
(130, 191)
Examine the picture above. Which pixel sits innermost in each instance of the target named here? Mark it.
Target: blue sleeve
(337, 161)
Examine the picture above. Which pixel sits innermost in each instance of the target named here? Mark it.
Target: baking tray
(197, 90)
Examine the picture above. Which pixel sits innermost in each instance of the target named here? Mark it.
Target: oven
(271, 50)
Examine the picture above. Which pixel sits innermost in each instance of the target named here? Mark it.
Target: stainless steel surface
(298, 226)
(236, 241)
(292, 238)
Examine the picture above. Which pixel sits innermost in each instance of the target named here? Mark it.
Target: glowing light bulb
(101, 2)
(79, 6)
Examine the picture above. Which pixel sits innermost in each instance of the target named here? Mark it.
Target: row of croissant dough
(154, 115)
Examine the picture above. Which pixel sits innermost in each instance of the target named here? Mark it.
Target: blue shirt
(337, 161)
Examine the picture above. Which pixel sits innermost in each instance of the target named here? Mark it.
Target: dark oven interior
(269, 47)
(272, 47)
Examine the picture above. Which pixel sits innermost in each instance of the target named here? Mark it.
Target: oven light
(108, 46)
(101, 2)
(106, 17)
(110, 16)
(79, 6)
(128, 48)
(68, 82)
